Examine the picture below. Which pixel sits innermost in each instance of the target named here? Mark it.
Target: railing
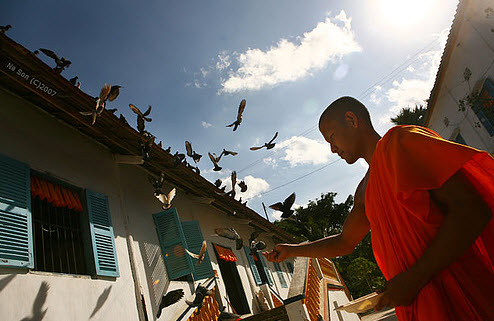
(210, 309)
(313, 291)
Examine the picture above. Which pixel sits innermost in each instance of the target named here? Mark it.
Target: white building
(467, 67)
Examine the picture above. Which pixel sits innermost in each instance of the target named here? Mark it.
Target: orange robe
(409, 161)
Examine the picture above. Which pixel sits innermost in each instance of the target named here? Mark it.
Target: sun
(403, 13)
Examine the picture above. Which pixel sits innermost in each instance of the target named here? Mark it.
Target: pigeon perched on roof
(268, 145)
(192, 153)
(200, 293)
(62, 63)
(3, 29)
(231, 234)
(240, 111)
(202, 253)
(73, 81)
(215, 159)
(178, 158)
(218, 183)
(285, 207)
(141, 117)
(170, 298)
(166, 199)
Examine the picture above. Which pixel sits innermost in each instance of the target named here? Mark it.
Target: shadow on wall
(101, 300)
(38, 312)
(6, 280)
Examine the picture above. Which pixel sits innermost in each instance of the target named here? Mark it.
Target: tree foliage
(324, 217)
(410, 116)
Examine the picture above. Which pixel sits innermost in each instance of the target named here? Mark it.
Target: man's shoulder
(401, 133)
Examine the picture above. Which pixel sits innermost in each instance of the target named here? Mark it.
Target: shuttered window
(173, 244)
(281, 277)
(16, 242)
(102, 237)
(194, 239)
(266, 269)
(253, 267)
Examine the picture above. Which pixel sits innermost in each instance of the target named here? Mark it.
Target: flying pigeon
(170, 298)
(237, 122)
(178, 158)
(234, 181)
(228, 152)
(157, 183)
(230, 234)
(4, 29)
(141, 117)
(268, 145)
(200, 293)
(146, 147)
(202, 253)
(62, 63)
(243, 186)
(215, 159)
(227, 316)
(285, 207)
(166, 199)
(192, 153)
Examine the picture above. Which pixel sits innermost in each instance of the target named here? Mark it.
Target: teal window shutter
(194, 238)
(266, 270)
(277, 267)
(173, 244)
(16, 238)
(102, 237)
(253, 266)
(289, 267)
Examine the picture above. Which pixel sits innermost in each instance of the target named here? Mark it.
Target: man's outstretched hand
(279, 253)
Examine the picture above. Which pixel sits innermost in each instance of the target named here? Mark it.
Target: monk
(429, 204)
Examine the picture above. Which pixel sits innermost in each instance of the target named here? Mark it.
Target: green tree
(324, 217)
(410, 116)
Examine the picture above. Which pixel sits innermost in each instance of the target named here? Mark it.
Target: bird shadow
(101, 300)
(38, 314)
(6, 280)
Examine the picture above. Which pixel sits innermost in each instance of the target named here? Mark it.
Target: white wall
(47, 145)
(473, 48)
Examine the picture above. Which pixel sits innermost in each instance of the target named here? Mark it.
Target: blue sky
(193, 61)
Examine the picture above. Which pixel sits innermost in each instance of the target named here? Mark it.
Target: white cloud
(341, 72)
(255, 186)
(224, 61)
(410, 69)
(303, 150)
(206, 124)
(270, 161)
(373, 97)
(289, 61)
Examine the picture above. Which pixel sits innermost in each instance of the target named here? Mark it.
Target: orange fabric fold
(225, 254)
(56, 195)
(407, 163)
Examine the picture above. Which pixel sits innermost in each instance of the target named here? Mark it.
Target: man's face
(341, 137)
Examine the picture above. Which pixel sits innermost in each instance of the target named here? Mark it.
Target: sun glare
(404, 13)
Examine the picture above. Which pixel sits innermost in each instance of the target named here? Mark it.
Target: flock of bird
(109, 93)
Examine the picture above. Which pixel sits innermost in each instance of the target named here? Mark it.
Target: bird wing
(114, 92)
(289, 201)
(104, 92)
(213, 159)
(226, 233)
(231, 124)
(195, 256)
(234, 179)
(239, 243)
(241, 108)
(188, 147)
(256, 148)
(260, 246)
(254, 235)
(49, 53)
(135, 110)
(275, 135)
(147, 112)
(202, 253)
(86, 113)
(171, 194)
(277, 206)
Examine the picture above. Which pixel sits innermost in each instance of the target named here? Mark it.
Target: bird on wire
(202, 253)
(141, 117)
(268, 145)
(170, 298)
(200, 293)
(240, 111)
(285, 207)
(192, 153)
(62, 63)
(4, 29)
(157, 183)
(231, 234)
(215, 159)
(166, 199)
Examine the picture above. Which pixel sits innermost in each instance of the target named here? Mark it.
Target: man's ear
(351, 119)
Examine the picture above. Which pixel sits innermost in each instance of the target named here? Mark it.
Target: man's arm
(355, 228)
(466, 216)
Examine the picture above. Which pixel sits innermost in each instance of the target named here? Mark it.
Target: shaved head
(338, 108)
